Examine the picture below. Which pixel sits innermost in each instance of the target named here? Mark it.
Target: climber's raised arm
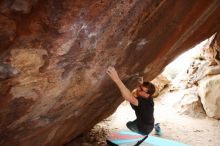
(125, 92)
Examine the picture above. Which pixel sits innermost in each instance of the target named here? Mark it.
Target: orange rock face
(54, 53)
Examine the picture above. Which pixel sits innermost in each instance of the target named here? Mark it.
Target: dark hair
(150, 86)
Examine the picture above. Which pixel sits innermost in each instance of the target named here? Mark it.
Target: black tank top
(144, 112)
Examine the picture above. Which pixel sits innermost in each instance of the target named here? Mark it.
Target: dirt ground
(194, 131)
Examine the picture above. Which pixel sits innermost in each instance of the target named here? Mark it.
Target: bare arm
(125, 92)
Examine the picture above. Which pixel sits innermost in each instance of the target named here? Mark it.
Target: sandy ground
(195, 131)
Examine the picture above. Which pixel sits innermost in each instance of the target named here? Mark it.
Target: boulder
(210, 97)
(160, 83)
(54, 55)
(190, 103)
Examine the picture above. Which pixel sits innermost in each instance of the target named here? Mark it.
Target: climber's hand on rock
(113, 74)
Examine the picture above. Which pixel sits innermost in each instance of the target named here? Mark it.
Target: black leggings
(132, 125)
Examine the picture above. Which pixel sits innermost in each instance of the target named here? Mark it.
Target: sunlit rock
(160, 83)
(210, 97)
(190, 104)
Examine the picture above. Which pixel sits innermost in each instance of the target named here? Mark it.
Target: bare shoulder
(134, 93)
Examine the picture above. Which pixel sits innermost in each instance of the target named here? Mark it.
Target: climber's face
(142, 91)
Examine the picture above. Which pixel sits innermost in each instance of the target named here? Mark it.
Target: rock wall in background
(198, 84)
(210, 97)
(54, 53)
(209, 85)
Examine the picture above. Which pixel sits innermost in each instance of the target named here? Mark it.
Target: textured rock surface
(210, 98)
(54, 53)
(190, 103)
(160, 83)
